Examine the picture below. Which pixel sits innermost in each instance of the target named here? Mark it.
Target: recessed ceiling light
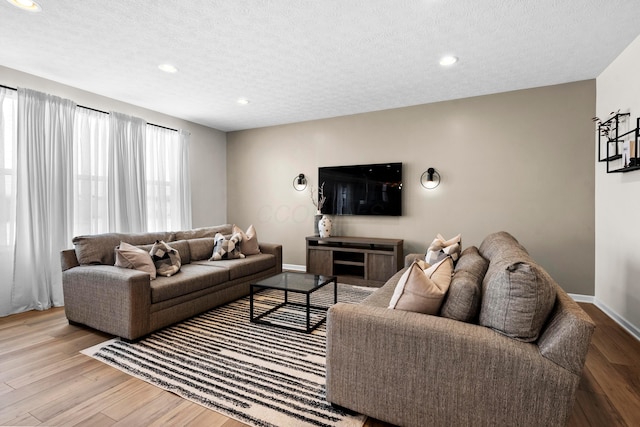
(29, 5)
(168, 68)
(242, 101)
(448, 60)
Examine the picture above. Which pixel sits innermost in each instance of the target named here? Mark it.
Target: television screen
(362, 189)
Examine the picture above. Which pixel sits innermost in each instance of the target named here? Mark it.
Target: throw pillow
(165, 258)
(422, 291)
(249, 243)
(129, 256)
(440, 248)
(517, 298)
(224, 248)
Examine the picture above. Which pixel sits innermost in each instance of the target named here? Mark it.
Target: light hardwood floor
(45, 381)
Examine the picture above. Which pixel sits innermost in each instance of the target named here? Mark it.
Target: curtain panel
(168, 182)
(90, 148)
(44, 207)
(8, 107)
(184, 180)
(127, 199)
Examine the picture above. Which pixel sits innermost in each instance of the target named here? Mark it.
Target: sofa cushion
(191, 278)
(239, 268)
(249, 243)
(198, 233)
(422, 291)
(98, 248)
(471, 261)
(501, 245)
(129, 256)
(517, 293)
(200, 248)
(462, 302)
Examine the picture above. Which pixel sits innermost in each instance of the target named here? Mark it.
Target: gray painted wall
(519, 161)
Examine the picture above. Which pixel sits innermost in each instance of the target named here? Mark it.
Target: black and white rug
(257, 374)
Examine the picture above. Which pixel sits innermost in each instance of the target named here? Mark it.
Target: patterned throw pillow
(440, 248)
(226, 248)
(165, 258)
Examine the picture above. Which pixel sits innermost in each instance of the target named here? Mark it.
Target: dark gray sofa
(128, 304)
(414, 369)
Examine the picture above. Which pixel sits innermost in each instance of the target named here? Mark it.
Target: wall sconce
(430, 179)
(300, 182)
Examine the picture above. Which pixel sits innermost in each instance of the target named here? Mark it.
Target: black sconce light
(430, 179)
(300, 182)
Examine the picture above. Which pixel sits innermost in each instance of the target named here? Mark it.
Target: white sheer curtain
(8, 108)
(168, 182)
(44, 207)
(66, 171)
(126, 195)
(184, 180)
(90, 147)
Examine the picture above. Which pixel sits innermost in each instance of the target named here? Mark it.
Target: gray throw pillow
(517, 298)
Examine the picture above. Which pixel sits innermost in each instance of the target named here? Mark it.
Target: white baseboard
(583, 298)
(629, 327)
(633, 330)
(294, 267)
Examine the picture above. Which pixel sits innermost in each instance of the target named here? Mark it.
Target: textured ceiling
(298, 60)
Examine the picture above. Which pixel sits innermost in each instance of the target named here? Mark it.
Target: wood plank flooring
(44, 380)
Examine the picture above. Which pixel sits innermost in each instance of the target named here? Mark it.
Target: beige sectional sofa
(127, 303)
(513, 362)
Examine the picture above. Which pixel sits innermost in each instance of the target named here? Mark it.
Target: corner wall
(617, 277)
(519, 161)
(207, 151)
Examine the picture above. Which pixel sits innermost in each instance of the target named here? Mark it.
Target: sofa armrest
(566, 336)
(409, 258)
(68, 259)
(414, 369)
(273, 249)
(108, 298)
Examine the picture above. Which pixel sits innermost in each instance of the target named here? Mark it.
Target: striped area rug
(258, 374)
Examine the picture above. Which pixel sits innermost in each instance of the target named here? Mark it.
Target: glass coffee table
(298, 283)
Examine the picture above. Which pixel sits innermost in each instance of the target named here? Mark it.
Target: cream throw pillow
(249, 243)
(129, 256)
(423, 291)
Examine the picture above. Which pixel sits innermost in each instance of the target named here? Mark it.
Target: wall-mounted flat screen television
(374, 189)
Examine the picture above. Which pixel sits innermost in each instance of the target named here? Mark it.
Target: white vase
(324, 226)
(316, 220)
